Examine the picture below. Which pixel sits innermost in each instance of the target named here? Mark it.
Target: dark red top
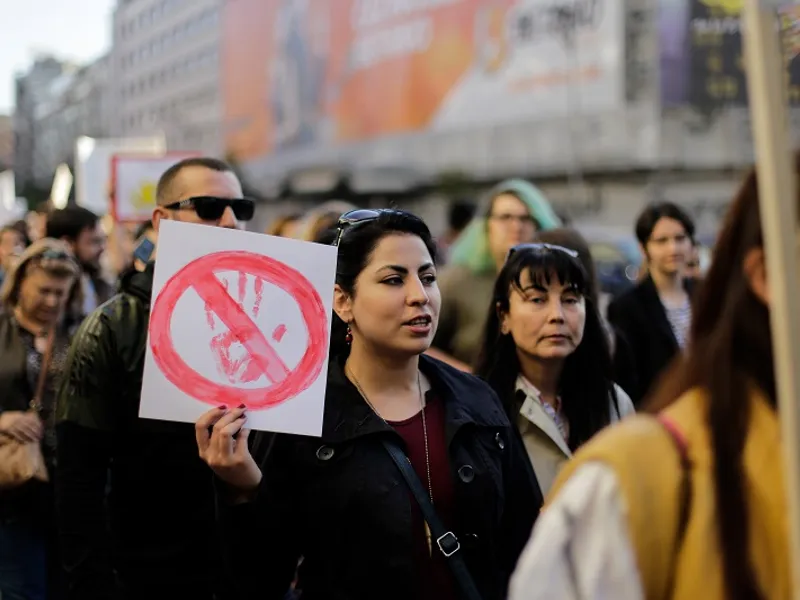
(435, 579)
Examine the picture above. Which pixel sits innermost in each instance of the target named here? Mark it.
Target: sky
(78, 30)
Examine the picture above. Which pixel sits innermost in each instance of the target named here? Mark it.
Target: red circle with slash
(200, 274)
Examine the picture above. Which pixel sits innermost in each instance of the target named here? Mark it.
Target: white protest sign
(8, 195)
(135, 178)
(93, 166)
(239, 318)
(62, 185)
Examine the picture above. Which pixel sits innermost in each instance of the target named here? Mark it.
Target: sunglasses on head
(356, 217)
(53, 255)
(211, 208)
(541, 246)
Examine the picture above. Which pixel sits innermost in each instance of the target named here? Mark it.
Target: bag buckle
(448, 544)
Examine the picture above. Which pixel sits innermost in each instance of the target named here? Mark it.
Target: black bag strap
(446, 541)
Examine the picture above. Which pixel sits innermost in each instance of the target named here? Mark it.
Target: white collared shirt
(545, 442)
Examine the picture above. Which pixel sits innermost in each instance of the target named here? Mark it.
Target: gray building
(165, 65)
(56, 102)
(6, 142)
(32, 89)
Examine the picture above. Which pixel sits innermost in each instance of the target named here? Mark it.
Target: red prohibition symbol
(200, 274)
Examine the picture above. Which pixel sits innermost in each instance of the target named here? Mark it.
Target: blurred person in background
(624, 364)
(22, 227)
(12, 244)
(138, 485)
(80, 228)
(654, 317)
(545, 353)
(319, 224)
(36, 221)
(285, 225)
(511, 214)
(688, 502)
(459, 215)
(33, 337)
(698, 262)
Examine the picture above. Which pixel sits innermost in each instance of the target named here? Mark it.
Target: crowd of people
(488, 431)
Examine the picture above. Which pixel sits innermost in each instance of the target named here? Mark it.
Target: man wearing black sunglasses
(159, 517)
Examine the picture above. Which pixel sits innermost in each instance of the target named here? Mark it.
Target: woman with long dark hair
(689, 503)
(545, 353)
(345, 502)
(623, 359)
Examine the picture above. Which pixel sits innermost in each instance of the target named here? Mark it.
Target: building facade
(166, 71)
(76, 104)
(636, 100)
(32, 89)
(6, 142)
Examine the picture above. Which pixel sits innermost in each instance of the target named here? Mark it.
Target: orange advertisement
(311, 73)
(394, 68)
(301, 72)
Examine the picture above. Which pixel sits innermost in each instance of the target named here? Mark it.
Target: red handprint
(243, 369)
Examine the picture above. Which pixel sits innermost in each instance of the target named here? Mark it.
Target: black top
(19, 376)
(136, 503)
(341, 503)
(648, 342)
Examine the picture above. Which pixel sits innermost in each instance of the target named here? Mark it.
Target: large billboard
(300, 73)
(701, 53)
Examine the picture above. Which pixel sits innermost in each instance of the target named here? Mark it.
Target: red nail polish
(222, 407)
(242, 406)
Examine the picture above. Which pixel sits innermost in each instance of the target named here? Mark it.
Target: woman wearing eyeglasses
(404, 435)
(33, 346)
(546, 354)
(512, 214)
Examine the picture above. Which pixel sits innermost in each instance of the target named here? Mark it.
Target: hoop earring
(348, 337)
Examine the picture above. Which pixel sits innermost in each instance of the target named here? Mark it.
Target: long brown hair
(729, 352)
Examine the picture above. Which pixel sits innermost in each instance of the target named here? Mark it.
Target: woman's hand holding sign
(226, 452)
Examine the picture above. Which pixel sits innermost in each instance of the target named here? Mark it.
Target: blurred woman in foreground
(689, 502)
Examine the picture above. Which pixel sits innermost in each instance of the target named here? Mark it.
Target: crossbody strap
(36, 402)
(446, 541)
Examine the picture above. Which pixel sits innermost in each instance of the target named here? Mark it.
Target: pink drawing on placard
(243, 369)
(279, 332)
(261, 358)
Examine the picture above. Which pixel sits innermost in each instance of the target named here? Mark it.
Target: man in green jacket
(136, 504)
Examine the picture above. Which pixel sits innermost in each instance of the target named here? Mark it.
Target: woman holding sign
(419, 486)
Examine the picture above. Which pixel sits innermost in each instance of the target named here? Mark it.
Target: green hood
(471, 248)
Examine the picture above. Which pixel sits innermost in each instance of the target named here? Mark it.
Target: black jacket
(33, 501)
(136, 503)
(15, 391)
(648, 343)
(348, 513)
